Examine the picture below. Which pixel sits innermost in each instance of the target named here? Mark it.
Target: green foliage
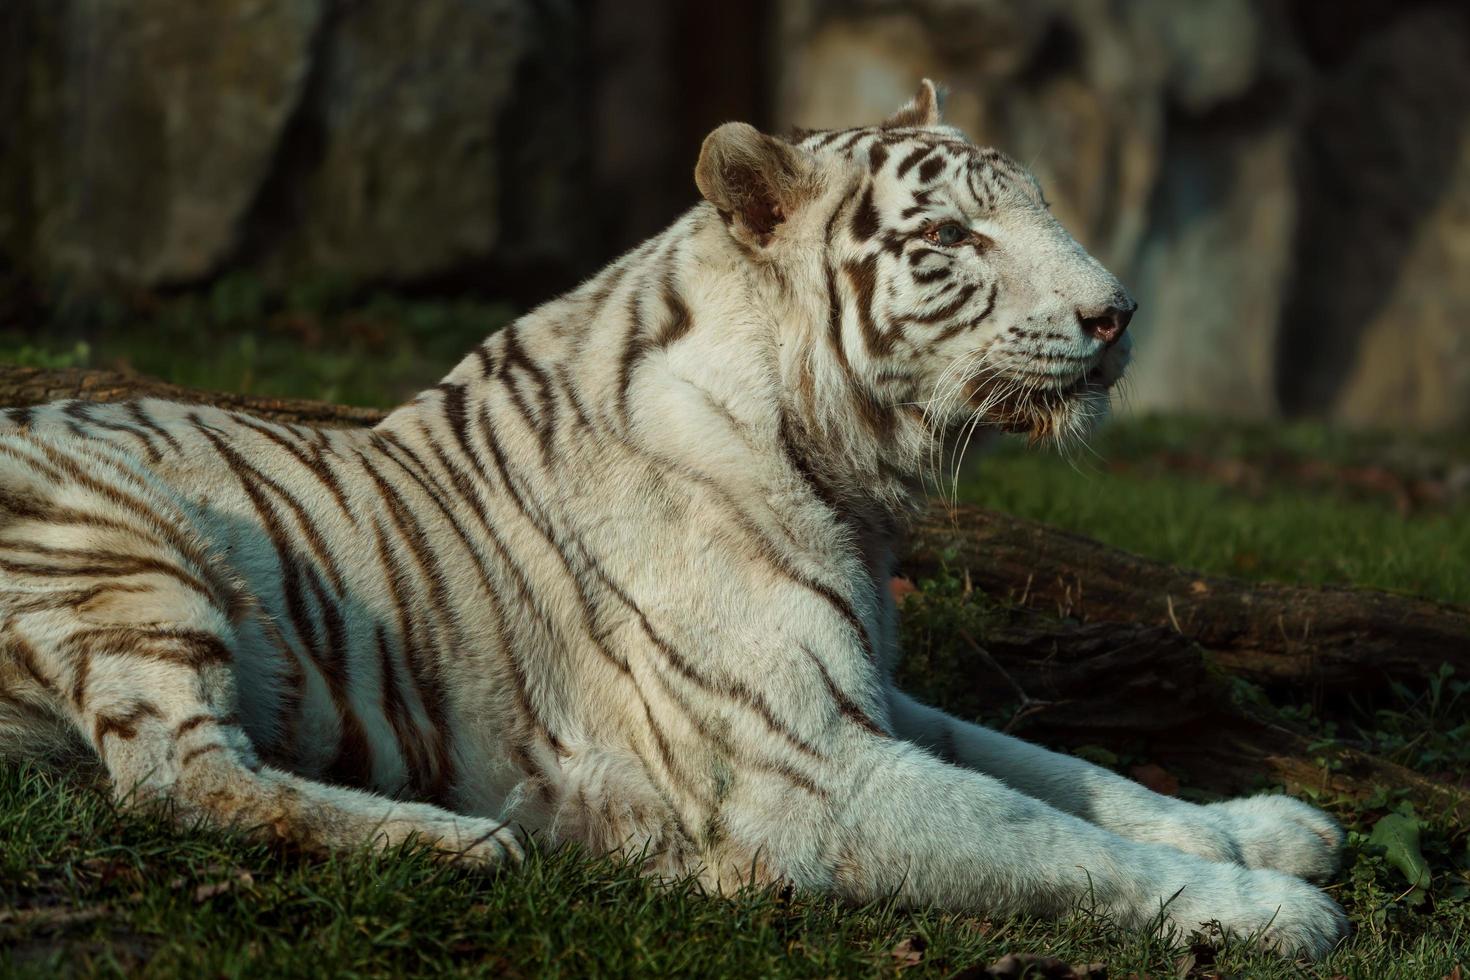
(88, 890)
(940, 624)
(1278, 531)
(1428, 730)
(78, 355)
(1397, 834)
(318, 339)
(1424, 727)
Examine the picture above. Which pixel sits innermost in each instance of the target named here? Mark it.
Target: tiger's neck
(707, 358)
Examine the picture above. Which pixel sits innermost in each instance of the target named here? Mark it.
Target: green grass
(1321, 534)
(314, 341)
(89, 890)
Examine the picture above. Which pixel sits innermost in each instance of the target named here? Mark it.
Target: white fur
(647, 563)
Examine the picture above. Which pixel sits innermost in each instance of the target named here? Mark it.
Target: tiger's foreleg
(931, 833)
(1259, 832)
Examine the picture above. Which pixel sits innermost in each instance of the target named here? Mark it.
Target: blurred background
(336, 198)
(1284, 183)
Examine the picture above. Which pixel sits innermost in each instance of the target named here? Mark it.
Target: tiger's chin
(1064, 418)
(1061, 414)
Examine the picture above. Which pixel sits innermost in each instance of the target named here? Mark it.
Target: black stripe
(790, 445)
(386, 443)
(468, 491)
(946, 311)
(314, 462)
(406, 735)
(930, 169)
(877, 155)
(680, 321)
(82, 412)
(764, 549)
(175, 536)
(834, 321)
(294, 584)
(864, 279)
(729, 689)
(420, 641)
(633, 350)
(588, 612)
(865, 220)
(99, 564)
(846, 706)
(569, 388)
(975, 321)
(516, 356)
(147, 421)
(908, 162)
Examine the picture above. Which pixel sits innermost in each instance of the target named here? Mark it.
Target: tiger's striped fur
(621, 578)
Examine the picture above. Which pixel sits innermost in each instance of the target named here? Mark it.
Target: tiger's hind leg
(157, 706)
(115, 625)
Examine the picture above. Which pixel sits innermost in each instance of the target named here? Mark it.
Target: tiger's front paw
(454, 837)
(1283, 834)
(1277, 911)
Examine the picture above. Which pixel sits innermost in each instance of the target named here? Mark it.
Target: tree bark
(1166, 704)
(1151, 635)
(1341, 639)
(22, 386)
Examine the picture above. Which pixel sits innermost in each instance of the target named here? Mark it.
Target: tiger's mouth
(1041, 406)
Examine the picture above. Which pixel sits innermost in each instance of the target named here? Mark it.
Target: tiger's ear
(755, 180)
(921, 110)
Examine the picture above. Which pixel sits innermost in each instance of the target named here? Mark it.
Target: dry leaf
(238, 878)
(109, 870)
(1156, 778)
(1197, 962)
(909, 952)
(901, 588)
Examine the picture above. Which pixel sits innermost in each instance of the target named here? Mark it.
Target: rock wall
(1285, 183)
(163, 142)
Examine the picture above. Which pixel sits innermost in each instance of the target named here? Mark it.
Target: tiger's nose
(1108, 324)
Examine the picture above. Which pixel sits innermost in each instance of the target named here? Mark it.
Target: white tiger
(622, 577)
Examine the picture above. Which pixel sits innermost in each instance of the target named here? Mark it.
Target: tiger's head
(939, 290)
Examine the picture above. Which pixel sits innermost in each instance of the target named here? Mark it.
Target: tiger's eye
(949, 233)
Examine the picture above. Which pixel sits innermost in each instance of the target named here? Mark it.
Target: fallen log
(1133, 627)
(1338, 639)
(22, 386)
(1148, 692)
